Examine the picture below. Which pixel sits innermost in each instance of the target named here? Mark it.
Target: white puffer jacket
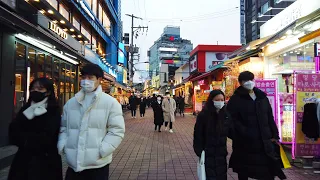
(89, 138)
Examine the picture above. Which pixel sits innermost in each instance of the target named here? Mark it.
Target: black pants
(157, 127)
(166, 124)
(92, 174)
(181, 112)
(245, 177)
(133, 112)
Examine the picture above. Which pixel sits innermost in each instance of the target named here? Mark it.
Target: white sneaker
(171, 131)
(135, 117)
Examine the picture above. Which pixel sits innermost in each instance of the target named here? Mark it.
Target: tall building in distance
(166, 55)
(254, 13)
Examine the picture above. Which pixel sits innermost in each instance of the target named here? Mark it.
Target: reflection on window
(32, 63)
(53, 3)
(40, 64)
(106, 22)
(76, 23)
(100, 13)
(56, 76)
(62, 83)
(48, 67)
(20, 72)
(64, 12)
(94, 7)
(265, 8)
(85, 32)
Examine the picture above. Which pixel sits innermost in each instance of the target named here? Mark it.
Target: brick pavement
(146, 154)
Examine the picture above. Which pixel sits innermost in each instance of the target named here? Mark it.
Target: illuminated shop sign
(59, 31)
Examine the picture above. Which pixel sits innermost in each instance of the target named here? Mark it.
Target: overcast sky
(201, 21)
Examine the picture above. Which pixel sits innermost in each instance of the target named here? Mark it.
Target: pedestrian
(212, 127)
(177, 104)
(133, 101)
(142, 106)
(168, 107)
(256, 133)
(158, 114)
(181, 105)
(92, 128)
(35, 131)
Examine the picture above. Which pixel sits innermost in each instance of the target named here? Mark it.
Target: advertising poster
(286, 117)
(270, 88)
(307, 91)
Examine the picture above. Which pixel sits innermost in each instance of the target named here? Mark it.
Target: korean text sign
(307, 91)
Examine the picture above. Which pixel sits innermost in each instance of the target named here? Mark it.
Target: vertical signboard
(307, 91)
(194, 64)
(242, 22)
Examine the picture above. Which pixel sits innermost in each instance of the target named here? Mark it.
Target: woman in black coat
(143, 104)
(181, 105)
(35, 131)
(255, 133)
(212, 127)
(158, 113)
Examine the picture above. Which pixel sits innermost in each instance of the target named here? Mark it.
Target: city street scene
(149, 89)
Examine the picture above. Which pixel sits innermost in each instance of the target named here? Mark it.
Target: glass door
(20, 77)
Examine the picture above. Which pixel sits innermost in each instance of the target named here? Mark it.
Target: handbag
(284, 158)
(201, 167)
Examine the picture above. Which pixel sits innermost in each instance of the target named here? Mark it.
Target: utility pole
(132, 50)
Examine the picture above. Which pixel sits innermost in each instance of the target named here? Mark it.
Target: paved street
(146, 154)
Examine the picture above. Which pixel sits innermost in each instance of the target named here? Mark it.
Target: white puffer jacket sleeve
(115, 130)
(63, 136)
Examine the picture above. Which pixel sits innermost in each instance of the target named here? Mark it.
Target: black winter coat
(181, 104)
(37, 157)
(254, 127)
(310, 123)
(133, 101)
(158, 113)
(214, 141)
(143, 104)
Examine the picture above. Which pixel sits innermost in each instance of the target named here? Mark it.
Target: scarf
(36, 109)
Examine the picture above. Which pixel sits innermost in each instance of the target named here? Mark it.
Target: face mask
(159, 99)
(218, 104)
(37, 96)
(87, 85)
(249, 85)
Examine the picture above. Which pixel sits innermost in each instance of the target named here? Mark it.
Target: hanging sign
(307, 91)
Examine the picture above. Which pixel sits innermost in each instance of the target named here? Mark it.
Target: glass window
(32, 63)
(68, 82)
(85, 32)
(100, 13)
(76, 23)
(89, 2)
(94, 7)
(62, 79)
(63, 11)
(53, 3)
(56, 64)
(48, 67)
(40, 64)
(94, 44)
(20, 76)
(265, 8)
(106, 22)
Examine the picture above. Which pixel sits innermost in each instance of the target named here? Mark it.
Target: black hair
(92, 69)
(245, 76)
(167, 93)
(154, 95)
(48, 84)
(211, 110)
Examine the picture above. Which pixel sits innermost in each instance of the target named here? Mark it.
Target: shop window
(68, 82)
(40, 64)
(56, 68)
(265, 8)
(32, 63)
(94, 7)
(53, 3)
(63, 11)
(106, 22)
(85, 32)
(100, 12)
(48, 67)
(62, 83)
(73, 80)
(76, 23)
(20, 76)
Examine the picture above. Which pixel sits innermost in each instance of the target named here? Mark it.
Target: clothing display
(310, 121)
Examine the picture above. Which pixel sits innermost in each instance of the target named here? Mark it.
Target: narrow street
(146, 154)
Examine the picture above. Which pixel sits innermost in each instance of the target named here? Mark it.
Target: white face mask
(159, 99)
(249, 85)
(87, 85)
(218, 104)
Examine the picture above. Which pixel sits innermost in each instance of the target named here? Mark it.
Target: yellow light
(36, 0)
(50, 11)
(42, 11)
(73, 35)
(72, 30)
(79, 36)
(62, 22)
(55, 21)
(65, 29)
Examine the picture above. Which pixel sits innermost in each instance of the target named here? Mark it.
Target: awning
(219, 66)
(190, 77)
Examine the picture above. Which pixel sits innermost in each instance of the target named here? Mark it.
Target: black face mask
(37, 96)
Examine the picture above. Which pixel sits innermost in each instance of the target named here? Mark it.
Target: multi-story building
(53, 38)
(254, 13)
(167, 54)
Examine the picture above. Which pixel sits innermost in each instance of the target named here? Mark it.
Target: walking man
(92, 128)
(255, 132)
(133, 101)
(169, 108)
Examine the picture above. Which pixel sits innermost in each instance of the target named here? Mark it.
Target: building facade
(53, 39)
(254, 13)
(167, 54)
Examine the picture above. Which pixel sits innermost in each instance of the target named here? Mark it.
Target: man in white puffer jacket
(92, 128)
